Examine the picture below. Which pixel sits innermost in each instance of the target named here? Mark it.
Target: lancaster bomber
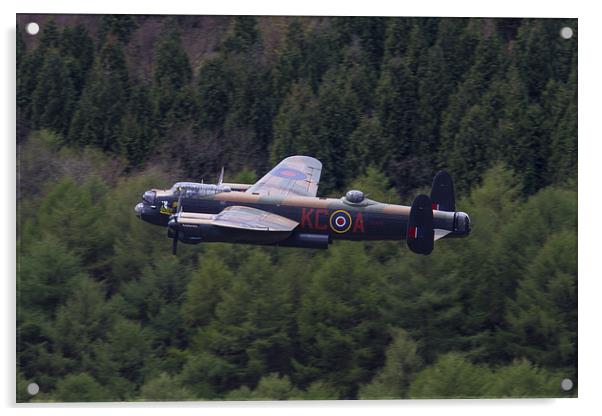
(282, 209)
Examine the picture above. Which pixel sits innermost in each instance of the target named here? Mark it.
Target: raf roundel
(289, 173)
(340, 221)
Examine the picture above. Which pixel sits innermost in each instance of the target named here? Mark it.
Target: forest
(109, 106)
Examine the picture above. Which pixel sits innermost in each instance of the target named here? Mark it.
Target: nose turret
(138, 209)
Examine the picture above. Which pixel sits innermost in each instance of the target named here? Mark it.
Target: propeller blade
(179, 209)
(221, 177)
(173, 224)
(174, 247)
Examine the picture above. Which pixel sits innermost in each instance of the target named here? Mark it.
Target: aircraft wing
(245, 218)
(294, 176)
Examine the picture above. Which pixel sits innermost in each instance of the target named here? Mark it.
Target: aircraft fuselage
(322, 217)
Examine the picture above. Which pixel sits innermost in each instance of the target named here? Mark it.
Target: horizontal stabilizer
(442, 192)
(421, 235)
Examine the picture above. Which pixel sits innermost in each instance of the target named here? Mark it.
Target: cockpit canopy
(196, 190)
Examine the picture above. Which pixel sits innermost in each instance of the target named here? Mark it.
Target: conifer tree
(292, 61)
(98, 120)
(295, 130)
(77, 46)
(401, 365)
(243, 35)
(341, 329)
(548, 334)
(252, 323)
(53, 99)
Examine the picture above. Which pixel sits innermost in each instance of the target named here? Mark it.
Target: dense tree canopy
(104, 312)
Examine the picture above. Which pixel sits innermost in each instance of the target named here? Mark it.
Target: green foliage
(401, 365)
(251, 324)
(243, 35)
(80, 388)
(366, 146)
(120, 25)
(205, 290)
(547, 333)
(270, 387)
(208, 375)
(82, 321)
(294, 129)
(214, 84)
(74, 214)
(98, 119)
(340, 324)
(243, 176)
(375, 185)
(452, 376)
(47, 274)
(106, 313)
(409, 94)
(54, 95)
(171, 62)
(523, 379)
(129, 348)
(164, 388)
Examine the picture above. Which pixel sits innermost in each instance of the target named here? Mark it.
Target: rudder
(420, 233)
(442, 192)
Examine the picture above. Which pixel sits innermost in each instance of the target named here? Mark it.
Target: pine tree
(77, 44)
(323, 52)
(74, 214)
(523, 379)
(401, 365)
(561, 122)
(270, 387)
(292, 60)
(434, 86)
(396, 108)
(243, 35)
(171, 64)
(295, 130)
(98, 120)
(164, 388)
(248, 124)
(396, 37)
(341, 329)
(366, 147)
(206, 289)
(172, 73)
(469, 156)
(441, 380)
(458, 46)
(47, 275)
(53, 99)
(337, 118)
(214, 86)
(81, 388)
(81, 323)
(548, 334)
(120, 25)
(154, 298)
(27, 77)
(250, 332)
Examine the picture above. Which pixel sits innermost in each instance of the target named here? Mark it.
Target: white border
(589, 196)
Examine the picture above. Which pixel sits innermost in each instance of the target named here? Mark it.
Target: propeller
(173, 224)
(221, 177)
